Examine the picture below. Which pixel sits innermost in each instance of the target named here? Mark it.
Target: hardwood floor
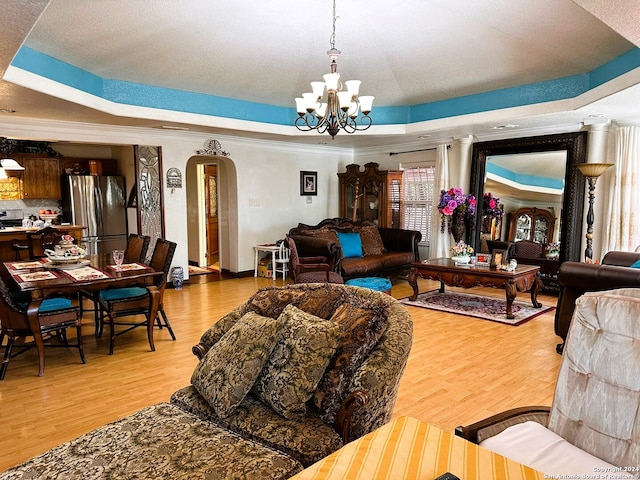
(460, 370)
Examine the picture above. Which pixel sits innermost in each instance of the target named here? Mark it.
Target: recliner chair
(594, 421)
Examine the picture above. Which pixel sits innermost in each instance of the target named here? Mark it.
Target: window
(419, 185)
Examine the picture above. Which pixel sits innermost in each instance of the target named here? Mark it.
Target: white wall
(268, 179)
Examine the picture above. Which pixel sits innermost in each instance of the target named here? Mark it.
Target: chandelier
(340, 109)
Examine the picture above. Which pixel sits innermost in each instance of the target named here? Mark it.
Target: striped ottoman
(374, 283)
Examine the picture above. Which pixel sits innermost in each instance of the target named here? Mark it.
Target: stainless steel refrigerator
(98, 203)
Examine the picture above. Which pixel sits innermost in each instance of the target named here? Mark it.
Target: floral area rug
(487, 308)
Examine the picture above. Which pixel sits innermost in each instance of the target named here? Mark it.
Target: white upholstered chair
(594, 420)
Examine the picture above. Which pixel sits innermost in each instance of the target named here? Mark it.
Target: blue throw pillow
(351, 244)
(635, 264)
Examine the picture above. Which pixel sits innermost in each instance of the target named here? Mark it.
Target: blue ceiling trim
(523, 179)
(129, 93)
(616, 67)
(541, 92)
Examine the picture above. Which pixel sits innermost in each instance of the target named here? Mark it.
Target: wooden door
(211, 192)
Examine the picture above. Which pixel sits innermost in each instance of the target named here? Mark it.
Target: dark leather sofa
(400, 248)
(576, 278)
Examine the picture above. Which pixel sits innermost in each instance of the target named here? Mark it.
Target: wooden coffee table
(524, 278)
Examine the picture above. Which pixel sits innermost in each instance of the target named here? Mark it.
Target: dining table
(39, 279)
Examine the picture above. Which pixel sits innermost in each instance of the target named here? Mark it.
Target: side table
(269, 247)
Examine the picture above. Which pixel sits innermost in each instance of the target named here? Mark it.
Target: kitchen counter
(35, 229)
(12, 235)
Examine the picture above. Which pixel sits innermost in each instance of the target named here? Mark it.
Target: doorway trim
(227, 210)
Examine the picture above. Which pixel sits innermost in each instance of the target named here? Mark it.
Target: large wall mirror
(535, 173)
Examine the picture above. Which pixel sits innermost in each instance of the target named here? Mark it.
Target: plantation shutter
(419, 185)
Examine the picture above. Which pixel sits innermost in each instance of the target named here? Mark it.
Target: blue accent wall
(129, 93)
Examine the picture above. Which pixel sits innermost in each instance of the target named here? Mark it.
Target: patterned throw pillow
(363, 328)
(297, 363)
(322, 300)
(324, 232)
(229, 369)
(371, 240)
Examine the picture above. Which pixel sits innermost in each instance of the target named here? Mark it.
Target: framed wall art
(308, 183)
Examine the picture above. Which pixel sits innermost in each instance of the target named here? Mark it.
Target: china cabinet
(532, 223)
(371, 194)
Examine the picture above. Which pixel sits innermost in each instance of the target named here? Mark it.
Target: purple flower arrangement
(456, 208)
(491, 206)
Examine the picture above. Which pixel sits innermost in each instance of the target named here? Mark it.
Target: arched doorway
(198, 182)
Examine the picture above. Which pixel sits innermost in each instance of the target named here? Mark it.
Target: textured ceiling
(405, 53)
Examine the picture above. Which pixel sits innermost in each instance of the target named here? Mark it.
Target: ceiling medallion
(340, 109)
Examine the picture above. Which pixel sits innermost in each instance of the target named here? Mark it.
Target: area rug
(193, 270)
(487, 308)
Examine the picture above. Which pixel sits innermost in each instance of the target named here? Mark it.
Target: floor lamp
(591, 171)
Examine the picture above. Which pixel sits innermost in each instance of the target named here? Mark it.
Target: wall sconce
(174, 179)
(591, 171)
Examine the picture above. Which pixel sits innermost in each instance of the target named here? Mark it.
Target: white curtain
(440, 242)
(623, 225)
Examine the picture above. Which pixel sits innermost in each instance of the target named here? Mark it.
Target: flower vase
(458, 232)
(462, 260)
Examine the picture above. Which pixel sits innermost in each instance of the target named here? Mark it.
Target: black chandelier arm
(352, 125)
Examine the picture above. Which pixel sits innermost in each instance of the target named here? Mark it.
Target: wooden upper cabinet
(41, 177)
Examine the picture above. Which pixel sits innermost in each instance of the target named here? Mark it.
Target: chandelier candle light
(340, 110)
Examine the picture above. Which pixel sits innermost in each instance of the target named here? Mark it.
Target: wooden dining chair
(115, 303)
(137, 246)
(135, 252)
(45, 238)
(55, 316)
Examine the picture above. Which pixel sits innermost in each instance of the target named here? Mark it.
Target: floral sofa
(331, 375)
(356, 392)
(383, 250)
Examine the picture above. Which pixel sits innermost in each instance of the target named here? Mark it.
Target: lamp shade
(593, 169)
(10, 164)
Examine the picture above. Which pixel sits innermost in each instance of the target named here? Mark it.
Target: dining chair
(281, 263)
(135, 252)
(115, 303)
(45, 238)
(55, 316)
(137, 246)
(310, 269)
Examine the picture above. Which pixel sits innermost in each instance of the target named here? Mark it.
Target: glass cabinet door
(541, 231)
(523, 227)
(371, 201)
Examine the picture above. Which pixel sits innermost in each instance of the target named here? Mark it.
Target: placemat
(86, 273)
(15, 266)
(125, 267)
(36, 276)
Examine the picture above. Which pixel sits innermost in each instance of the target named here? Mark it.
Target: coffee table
(524, 278)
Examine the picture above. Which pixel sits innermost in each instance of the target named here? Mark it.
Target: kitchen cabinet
(40, 177)
(371, 194)
(89, 166)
